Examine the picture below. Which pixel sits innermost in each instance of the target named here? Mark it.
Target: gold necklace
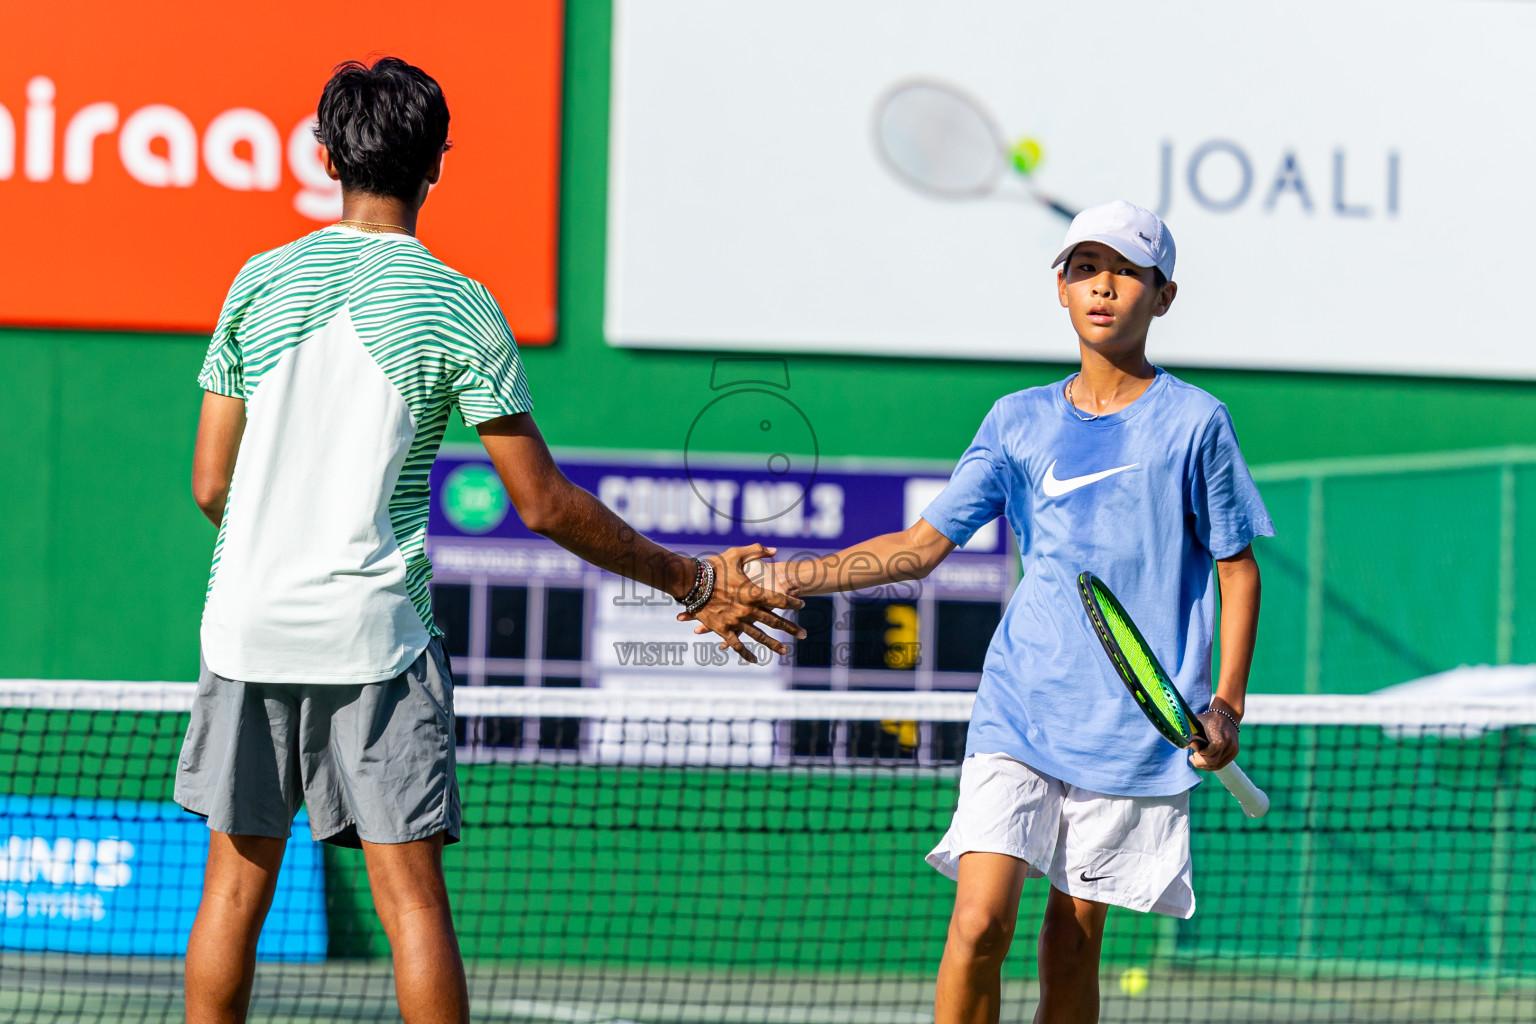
(376, 227)
(1073, 405)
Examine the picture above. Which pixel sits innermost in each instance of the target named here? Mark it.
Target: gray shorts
(371, 761)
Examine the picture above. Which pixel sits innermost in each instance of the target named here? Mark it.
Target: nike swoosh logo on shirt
(1054, 487)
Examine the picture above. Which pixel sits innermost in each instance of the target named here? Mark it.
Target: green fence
(1388, 852)
(1385, 570)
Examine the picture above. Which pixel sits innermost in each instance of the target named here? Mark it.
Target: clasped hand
(744, 601)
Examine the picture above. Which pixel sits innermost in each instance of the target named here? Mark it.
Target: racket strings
(1155, 684)
(940, 140)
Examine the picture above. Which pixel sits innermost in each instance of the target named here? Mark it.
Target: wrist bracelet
(698, 579)
(1235, 723)
(703, 587)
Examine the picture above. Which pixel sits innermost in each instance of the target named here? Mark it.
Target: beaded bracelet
(703, 587)
(1235, 723)
(698, 580)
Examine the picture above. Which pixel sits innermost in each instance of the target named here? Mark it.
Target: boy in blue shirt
(1127, 471)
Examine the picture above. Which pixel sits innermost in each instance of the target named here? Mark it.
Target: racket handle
(1254, 800)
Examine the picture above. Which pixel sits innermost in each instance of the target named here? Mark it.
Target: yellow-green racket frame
(1156, 696)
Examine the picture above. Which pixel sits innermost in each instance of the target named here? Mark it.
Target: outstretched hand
(1221, 746)
(774, 576)
(740, 605)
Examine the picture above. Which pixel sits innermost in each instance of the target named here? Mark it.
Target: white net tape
(684, 705)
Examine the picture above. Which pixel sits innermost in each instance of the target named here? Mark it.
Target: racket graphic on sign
(945, 144)
(1155, 693)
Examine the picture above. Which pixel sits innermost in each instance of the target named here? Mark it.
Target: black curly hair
(383, 126)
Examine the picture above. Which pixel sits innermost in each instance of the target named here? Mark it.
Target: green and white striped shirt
(350, 350)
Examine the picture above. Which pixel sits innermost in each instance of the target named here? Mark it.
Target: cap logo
(1144, 238)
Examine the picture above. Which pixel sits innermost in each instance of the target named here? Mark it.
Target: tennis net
(680, 858)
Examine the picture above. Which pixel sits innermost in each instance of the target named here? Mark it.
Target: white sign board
(1349, 183)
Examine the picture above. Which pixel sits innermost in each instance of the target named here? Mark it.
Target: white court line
(535, 1010)
(538, 1010)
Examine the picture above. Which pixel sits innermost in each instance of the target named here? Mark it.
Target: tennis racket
(941, 142)
(1155, 693)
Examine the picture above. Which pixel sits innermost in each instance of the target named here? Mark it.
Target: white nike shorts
(1129, 851)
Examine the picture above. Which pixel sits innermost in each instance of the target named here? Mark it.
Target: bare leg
(221, 952)
(980, 930)
(1070, 940)
(408, 890)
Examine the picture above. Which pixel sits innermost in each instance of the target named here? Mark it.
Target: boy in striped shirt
(329, 380)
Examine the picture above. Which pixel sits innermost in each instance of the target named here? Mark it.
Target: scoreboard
(518, 610)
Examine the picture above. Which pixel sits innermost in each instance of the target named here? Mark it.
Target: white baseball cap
(1137, 234)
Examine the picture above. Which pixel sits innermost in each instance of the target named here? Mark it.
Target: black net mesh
(678, 861)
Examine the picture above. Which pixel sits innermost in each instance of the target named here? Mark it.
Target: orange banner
(147, 150)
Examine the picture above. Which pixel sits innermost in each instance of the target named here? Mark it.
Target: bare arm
(552, 506)
(219, 429)
(889, 558)
(1238, 578)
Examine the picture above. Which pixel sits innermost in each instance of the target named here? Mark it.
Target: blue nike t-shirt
(1144, 498)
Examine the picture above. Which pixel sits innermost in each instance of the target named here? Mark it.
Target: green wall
(105, 556)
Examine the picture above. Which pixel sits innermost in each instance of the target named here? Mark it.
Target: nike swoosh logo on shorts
(1095, 878)
(1055, 488)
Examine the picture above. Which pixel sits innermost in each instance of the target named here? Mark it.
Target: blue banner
(125, 877)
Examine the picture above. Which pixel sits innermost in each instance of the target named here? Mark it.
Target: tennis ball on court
(1027, 155)
(1134, 981)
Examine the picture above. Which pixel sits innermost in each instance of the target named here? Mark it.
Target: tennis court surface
(687, 858)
